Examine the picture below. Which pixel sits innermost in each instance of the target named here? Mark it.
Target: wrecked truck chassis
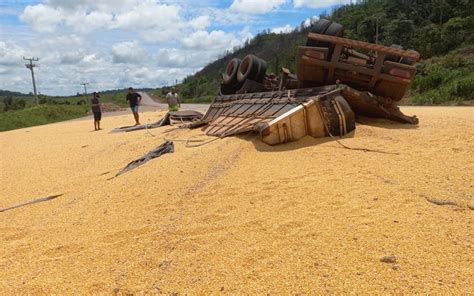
(323, 66)
(281, 116)
(285, 116)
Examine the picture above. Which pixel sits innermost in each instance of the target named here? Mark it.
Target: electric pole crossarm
(85, 87)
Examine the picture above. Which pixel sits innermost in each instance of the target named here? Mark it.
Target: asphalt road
(148, 101)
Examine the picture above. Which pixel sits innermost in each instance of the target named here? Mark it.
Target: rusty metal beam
(361, 44)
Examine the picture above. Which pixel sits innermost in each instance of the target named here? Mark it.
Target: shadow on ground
(310, 141)
(305, 142)
(384, 123)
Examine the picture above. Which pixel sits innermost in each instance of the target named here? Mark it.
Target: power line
(85, 87)
(31, 66)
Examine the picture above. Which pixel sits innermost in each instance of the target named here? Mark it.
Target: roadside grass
(160, 96)
(447, 79)
(39, 115)
(118, 98)
(199, 100)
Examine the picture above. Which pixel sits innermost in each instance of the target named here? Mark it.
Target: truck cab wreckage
(336, 80)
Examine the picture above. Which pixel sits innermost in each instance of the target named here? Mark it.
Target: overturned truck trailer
(336, 79)
(282, 116)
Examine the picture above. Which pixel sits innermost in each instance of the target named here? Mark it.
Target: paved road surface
(148, 104)
(148, 101)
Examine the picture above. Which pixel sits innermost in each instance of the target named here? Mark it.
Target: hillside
(433, 28)
(277, 49)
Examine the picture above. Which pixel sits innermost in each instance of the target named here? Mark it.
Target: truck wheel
(336, 30)
(262, 70)
(408, 61)
(248, 68)
(393, 58)
(230, 74)
(319, 28)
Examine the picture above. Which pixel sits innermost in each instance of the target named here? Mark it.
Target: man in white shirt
(173, 100)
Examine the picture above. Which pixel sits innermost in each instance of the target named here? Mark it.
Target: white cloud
(117, 43)
(41, 17)
(87, 22)
(286, 29)
(319, 3)
(72, 57)
(5, 70)
(200, 23)
(216, 40)
(149, 15)
(129, 53)
(10, 53)
(101, 5)
(246, 34)
(256, 7)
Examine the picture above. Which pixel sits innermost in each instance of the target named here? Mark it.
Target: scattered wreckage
(336, 79)
(171, 118)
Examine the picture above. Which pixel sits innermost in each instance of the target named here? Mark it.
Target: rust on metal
(288, 114)
(333, 83)
(361, 44)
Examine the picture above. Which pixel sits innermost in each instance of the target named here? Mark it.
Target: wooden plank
(361, 44)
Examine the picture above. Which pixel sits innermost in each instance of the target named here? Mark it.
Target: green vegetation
(39, 115)
(279, 50)
(115, 97)
(441, 80)
(19, 110)
(432, 27)
(10, 104)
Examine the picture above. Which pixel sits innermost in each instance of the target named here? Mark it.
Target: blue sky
(142, 43)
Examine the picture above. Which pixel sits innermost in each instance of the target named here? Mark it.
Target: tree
(7, 102)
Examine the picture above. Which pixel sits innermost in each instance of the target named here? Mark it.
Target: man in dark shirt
(96, 111)
(134, 100)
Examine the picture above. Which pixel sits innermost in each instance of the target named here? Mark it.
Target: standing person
(134, 100)
(173, 100)
(96, 111)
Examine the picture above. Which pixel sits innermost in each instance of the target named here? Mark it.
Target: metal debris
(166, 147)
(178, 118)
(43, 199)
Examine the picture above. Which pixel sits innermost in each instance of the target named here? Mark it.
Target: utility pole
(85, 87)
(31, 67)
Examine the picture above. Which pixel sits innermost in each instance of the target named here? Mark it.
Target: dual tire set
(325, 27)
(238, 71)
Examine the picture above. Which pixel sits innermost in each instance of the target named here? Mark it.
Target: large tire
(394, 58)
(408, 61)
(248, 68)
(336, 30)
(230, 75)
(262, 70)
(319, 28)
